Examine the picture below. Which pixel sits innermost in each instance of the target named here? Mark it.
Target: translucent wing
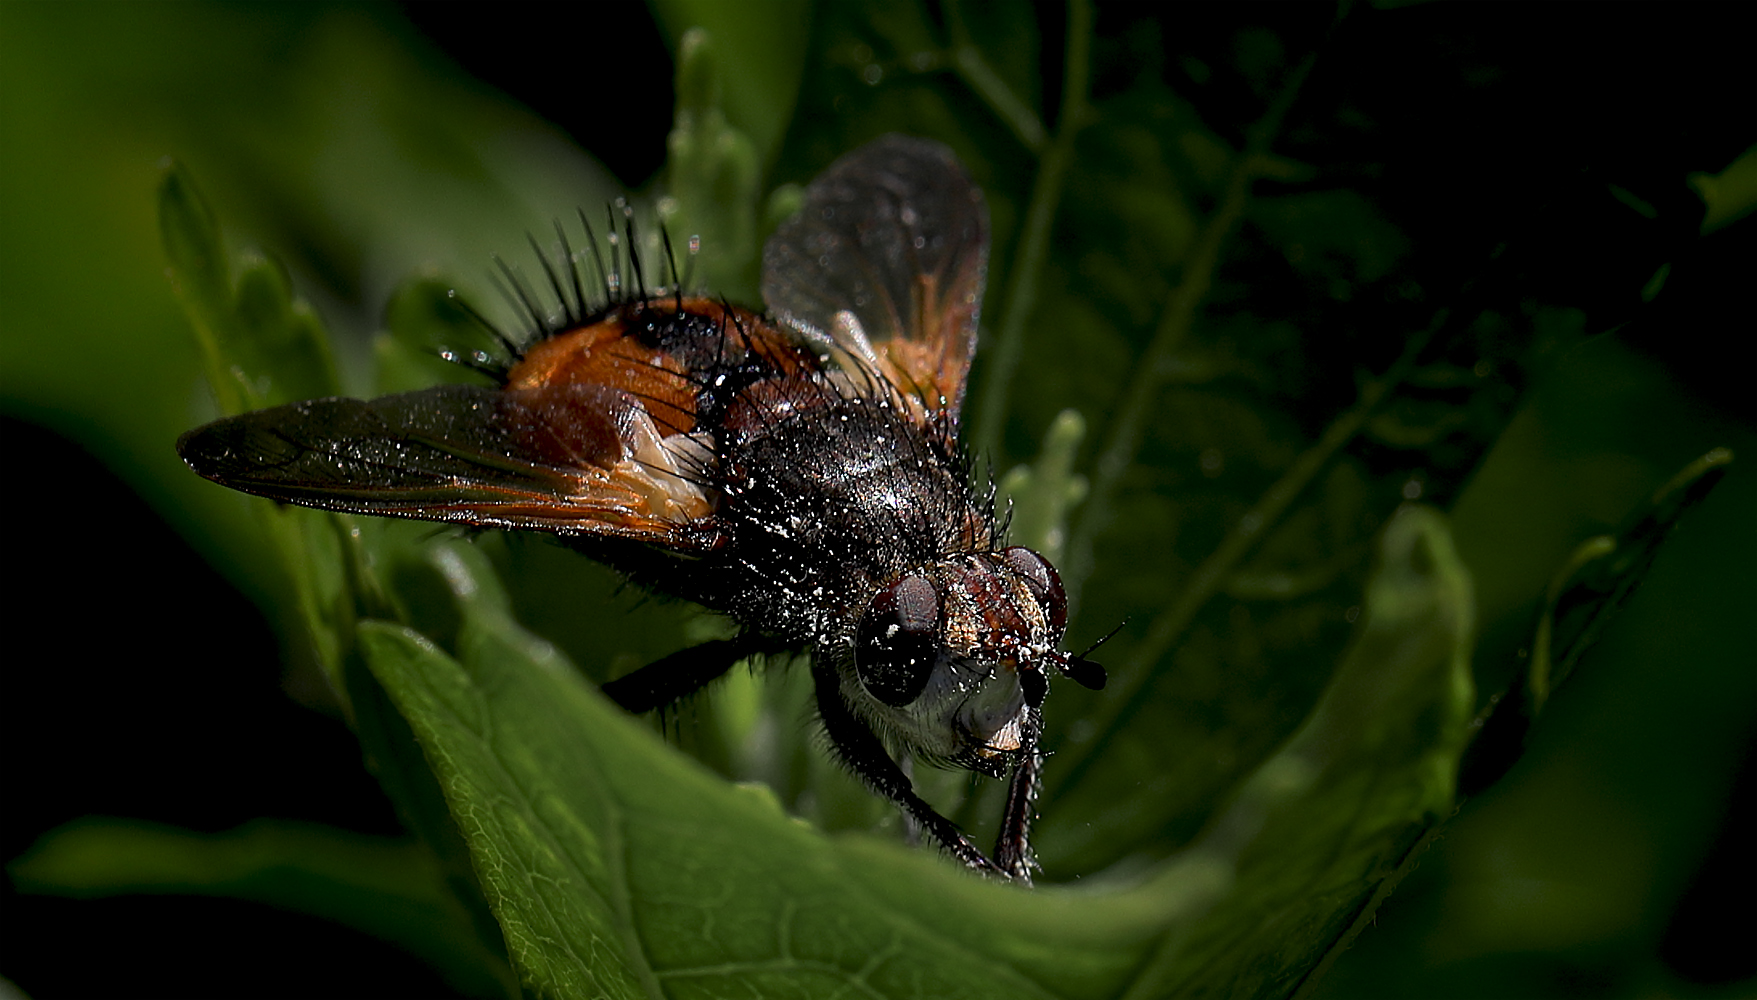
(886, 263)
(568, 458)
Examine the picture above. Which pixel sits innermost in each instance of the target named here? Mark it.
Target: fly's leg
(865, 755)
(1012, 846)
(683, 673)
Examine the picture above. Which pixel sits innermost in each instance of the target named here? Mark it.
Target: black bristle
(579, 310)
(671, 259)
(513, 349)
(554, 279)
(613, 284)
(597, 257)
(519, 297)
(634, 257)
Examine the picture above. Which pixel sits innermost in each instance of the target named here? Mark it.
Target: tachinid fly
(799, 472)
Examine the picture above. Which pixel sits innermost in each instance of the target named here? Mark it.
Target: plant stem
(1124, 695)
(1027, 264)
(980, 77)
(1174, 326)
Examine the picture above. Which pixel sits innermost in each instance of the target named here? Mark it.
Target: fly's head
(952, 660)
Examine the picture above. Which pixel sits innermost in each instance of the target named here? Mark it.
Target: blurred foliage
(1259, 281)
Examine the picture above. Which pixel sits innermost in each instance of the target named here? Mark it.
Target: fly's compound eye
(1044, 583)
(898, 641)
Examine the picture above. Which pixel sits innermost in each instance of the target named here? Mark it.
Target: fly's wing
(597, 431)
(565, 458)
(886, 264)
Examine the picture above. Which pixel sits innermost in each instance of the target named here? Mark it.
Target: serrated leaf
(283, 337)
(190, 236)
(260, 344)
(331, 559)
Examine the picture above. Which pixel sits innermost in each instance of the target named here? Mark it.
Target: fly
(798, 471)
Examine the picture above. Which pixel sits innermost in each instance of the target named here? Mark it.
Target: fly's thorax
(949, 660)
(834, 498)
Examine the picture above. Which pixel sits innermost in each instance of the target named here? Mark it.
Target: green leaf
(283, 332)
(390, 889)
(764, 59)
(618, 868)
(200, 274)
(1315, 835)
(712, 176)
(332, 560)
(1039, 496)
(1604, 570)
(1729, 195)
(261, 345)
(425, 322)
(1581, 600)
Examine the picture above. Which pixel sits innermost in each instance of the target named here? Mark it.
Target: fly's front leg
(865, 755)
(1012, 846)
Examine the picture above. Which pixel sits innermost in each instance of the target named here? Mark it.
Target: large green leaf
(617, 867)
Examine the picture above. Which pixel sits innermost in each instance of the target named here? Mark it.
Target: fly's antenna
(1082, 671)
(1106, 638)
